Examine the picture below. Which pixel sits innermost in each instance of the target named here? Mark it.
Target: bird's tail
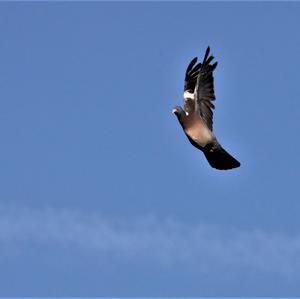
(218, 158)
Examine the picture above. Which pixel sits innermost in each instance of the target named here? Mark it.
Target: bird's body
(196, 118)
(195, 128)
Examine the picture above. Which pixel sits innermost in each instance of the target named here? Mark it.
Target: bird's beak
(174, 110)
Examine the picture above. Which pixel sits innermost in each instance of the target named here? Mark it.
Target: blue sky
(101, 193)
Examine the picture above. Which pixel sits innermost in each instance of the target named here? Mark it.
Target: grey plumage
(197, 117)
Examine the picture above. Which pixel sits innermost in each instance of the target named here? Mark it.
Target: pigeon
(196, 118)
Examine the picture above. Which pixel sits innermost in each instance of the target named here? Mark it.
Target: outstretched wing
(190, 81)
(204, 90)
(191, 75)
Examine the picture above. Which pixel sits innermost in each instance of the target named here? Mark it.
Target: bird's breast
(196, 129)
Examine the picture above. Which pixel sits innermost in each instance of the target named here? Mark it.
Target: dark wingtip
(191, 64)
(206, 54)
(194, 60)
(208, 61)
(214, 65)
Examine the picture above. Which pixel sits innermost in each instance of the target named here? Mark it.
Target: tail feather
(218, 158)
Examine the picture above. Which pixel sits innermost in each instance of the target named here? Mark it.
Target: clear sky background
(101, 192)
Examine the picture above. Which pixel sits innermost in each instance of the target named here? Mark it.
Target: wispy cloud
(163, 241)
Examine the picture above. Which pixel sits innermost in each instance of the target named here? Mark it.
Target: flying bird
(196, 118)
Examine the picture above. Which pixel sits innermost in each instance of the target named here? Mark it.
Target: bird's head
(179, 112)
